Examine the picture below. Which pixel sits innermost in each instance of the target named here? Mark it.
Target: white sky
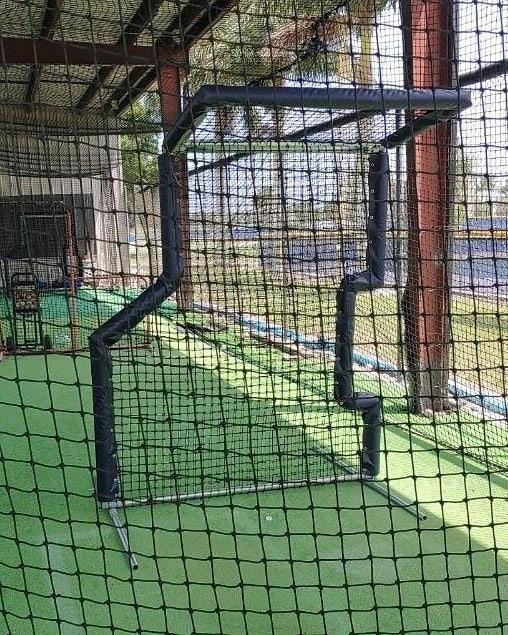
(482, 39)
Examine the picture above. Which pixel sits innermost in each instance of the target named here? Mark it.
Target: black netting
(253, 317)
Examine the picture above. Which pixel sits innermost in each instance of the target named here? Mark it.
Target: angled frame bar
(442, 104)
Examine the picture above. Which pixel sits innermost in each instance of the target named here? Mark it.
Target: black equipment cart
(27, 325)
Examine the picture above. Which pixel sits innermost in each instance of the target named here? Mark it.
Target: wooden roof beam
(192, 23)
(49, 52)
(141, 19)
(49, 22)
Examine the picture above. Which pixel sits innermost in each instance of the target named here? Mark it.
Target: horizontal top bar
(355, 99)
(330, 98)
(266, 146)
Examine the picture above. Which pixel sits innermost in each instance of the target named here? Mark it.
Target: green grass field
(314, 560)
(478, 327)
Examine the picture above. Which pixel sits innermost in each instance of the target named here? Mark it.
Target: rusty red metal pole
(169, 76)
(71, 273)
(428, 41)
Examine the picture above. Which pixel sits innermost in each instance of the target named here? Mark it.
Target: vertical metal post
(399, 253)
(169, 77)
(352, 284)
(71, 273)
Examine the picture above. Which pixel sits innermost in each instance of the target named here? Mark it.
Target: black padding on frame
(372, 278)
(442, 104)
(124, 321)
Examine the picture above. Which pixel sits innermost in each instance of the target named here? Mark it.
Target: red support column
(71, 273)
(169, 76)
(428, 42)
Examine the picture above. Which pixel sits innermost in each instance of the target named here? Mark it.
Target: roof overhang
(67, 70)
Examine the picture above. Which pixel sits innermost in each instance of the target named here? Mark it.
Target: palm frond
(307, 36)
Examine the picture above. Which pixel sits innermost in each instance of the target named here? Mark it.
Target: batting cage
(50, 302)
(253, 317)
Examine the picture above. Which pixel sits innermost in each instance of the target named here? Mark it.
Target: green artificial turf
(87, 310)
(478, 327)
(293, 379)
(324, 559)
(193, 416)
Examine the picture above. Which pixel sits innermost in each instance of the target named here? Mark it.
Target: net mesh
(43, 247)
(237, 479)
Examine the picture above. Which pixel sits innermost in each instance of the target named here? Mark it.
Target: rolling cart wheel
(47, 344)
(10, 345)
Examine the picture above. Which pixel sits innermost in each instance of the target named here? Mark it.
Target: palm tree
(261, 41)
(327, 45)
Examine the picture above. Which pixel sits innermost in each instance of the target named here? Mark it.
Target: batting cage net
(42, 257)
(253, 317)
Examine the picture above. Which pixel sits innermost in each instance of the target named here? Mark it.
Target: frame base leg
(122, 533)
(395, 499)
